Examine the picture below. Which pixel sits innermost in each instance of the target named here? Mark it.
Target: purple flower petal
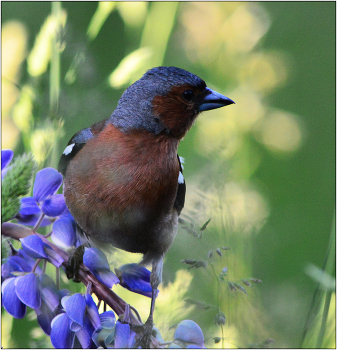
(75, 327)
(27, 290)
(131, 340)
(98, 264)
(75, 307)
(64, 232)
(122, 335)
(10, 300)
(47, 182)
(95, 259)
(34, 247)
(54, 205)
(53, 257)
(31, 220)
(14, 263)
(29, 206)
(137, 271)
(85, 333)
(6, 270)
(106, 277)
(50, 294)
(105, 336)
(44, 317)
(20, 262)
(61, 336)
(189, 332)
(6, 157)
(193, 346)
(136, 279)
(108, 319)
(31, 262)
(92, 311)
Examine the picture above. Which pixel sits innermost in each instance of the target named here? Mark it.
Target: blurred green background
(262, 169)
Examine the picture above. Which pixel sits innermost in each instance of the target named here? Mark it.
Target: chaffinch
(123, 179)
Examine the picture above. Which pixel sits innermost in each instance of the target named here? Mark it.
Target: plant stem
(36, 265)
(38, 223)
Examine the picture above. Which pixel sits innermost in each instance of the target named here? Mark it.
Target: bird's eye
(188, 95)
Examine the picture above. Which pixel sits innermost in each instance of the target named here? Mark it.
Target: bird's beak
(214, 100)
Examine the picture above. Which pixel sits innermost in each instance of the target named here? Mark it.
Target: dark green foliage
(15, 184)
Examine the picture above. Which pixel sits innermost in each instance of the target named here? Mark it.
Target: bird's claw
(73, 264)
(145, 331)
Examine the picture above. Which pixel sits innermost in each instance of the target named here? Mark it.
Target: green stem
(324, 319)
(55, 63)
(55, 77)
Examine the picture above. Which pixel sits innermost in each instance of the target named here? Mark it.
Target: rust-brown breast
(127, 181)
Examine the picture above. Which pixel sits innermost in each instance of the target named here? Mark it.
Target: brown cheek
(174, 113)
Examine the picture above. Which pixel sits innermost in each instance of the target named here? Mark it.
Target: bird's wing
(180, 197)
(77, 142)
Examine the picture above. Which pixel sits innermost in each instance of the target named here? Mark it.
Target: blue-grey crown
(134, 109)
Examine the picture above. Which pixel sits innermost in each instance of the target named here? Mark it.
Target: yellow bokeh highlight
(220, 132)
(131, 65)
(14, 45)
(39, 57)
(43, 140)
(23, 110)
(245, 27)
(6, 327)
(263, 71)
(281, 132)
(158, 28)
(230, 337)
(133, 12)
(104, 8)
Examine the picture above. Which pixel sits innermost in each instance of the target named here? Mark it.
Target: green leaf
(205, 224)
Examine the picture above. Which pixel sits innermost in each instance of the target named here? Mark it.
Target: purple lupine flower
(45, 317)
(6, 158)
(92, 311)
(17, 263)
(10, 301)
(74, 306)
(124, 336)
(49, 292)
(96, 261)
(84, 334)
(82, 319)
(189, 334)
(64, 231)
(105, 336)
(50, 303)
(30, 212)
(28, 291)
(34, 247)
(47, 182)
(135, 278)
(61, 336)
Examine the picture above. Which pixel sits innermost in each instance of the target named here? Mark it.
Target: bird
(122, 177)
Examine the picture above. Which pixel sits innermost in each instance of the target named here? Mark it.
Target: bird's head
(165, 99)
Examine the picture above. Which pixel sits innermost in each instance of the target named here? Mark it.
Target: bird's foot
(73, 264)
(145, 331)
